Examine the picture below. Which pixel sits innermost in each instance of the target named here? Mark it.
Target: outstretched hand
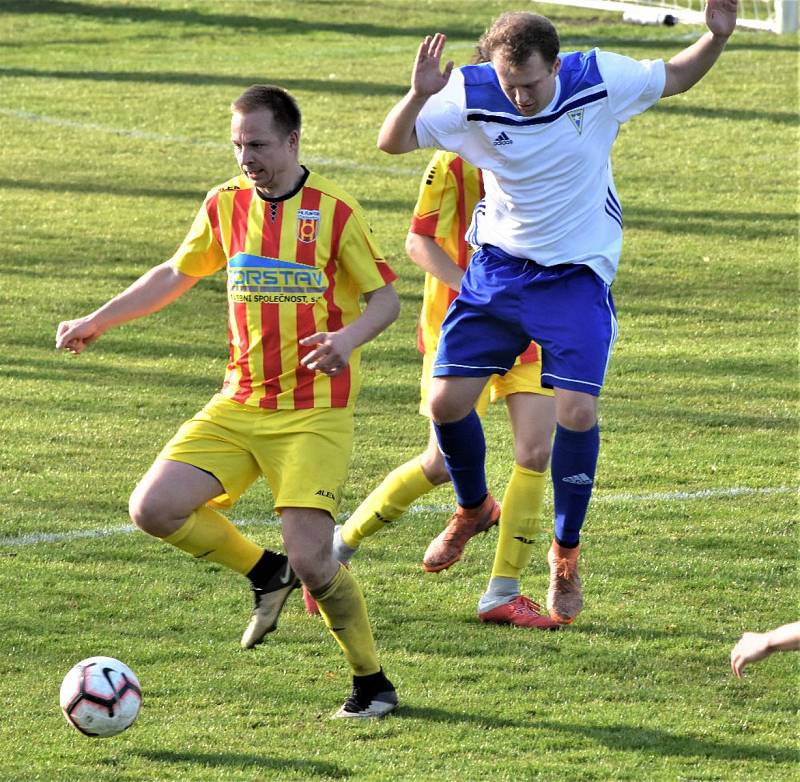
(426, 78)
(721, 16)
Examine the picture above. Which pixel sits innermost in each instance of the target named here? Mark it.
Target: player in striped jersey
(541, 127)
(448, 194)
(298, 255)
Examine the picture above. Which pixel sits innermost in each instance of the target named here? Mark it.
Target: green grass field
(114, 123)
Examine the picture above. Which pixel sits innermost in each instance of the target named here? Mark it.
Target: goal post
(778, 16)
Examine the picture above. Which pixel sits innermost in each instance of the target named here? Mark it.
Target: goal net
(779, 16)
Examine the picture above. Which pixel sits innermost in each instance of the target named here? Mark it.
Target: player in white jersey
(541, 127)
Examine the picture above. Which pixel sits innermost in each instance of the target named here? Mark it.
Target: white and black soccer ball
(100, 696)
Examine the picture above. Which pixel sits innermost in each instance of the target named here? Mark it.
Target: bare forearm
(785, 638)
(381, 311)
(398, 134)
(150, 293)
(686, 68)
(431, 258)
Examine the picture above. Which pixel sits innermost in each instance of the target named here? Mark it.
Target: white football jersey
(550, 195)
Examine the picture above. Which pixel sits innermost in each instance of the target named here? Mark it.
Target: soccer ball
(100, 696)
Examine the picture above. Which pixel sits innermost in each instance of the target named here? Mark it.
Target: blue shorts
(506, 302)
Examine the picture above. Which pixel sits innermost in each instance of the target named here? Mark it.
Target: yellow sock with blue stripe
(387, 503)
(344, 610)
(208, 535)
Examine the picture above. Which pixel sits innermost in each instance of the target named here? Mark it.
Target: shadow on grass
(326, 86)
(736, 115)
(106, 188)
(241, 760)
(710, 222)
(454, 717)
(342, 87)
(638, 634)
(661, 44)
(231, 22)
(289, 26)
(104, 375)
(628, 738)
(101, 188)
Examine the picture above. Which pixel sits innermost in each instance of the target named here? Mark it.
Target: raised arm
(685, 69)
(431, 258)
(397, 134)
(150, 293)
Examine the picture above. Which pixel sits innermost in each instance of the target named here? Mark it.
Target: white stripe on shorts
(491, 370)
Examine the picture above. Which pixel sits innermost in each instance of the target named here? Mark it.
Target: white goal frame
(777, 16)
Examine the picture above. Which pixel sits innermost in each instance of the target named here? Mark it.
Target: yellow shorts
(521, 378)
(303, 454)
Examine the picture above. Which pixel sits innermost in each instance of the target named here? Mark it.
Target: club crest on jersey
(576, 118)
(307, 225)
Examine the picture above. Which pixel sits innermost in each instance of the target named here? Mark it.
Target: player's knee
(146, 513)
(309, 565)
(533, 456)
(445, 410)
(578, 417)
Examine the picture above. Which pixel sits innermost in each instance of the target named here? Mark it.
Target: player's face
(266, 155)
(530, 86)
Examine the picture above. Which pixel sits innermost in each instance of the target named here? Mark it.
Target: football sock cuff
(572, 468)
(464, 449)
(519, 522)
(501, 590)
(387, 503)
(344, 610)
(208, 535)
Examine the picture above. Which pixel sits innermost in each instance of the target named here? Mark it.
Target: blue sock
(464, 449)
(572, 468)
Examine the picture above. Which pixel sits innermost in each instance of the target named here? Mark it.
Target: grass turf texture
(114, 122)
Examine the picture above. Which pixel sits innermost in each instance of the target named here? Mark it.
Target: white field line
(34, 538)
(146, 135)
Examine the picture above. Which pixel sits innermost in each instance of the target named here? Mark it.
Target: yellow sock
(519, 522)
(344, 610)
(208, 535)
(387, 502)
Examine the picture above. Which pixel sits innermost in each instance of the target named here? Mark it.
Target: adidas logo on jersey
(502, 140)
(582, 479)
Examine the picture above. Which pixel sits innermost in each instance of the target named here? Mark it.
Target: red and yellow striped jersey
(448, 193)
(295, 265)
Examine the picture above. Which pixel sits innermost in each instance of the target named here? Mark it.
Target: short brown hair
(284, 108)
(516, 35)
